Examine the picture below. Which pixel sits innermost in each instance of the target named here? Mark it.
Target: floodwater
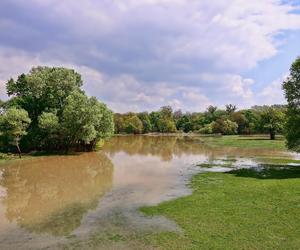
(51, 201)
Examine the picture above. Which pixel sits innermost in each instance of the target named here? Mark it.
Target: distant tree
(210, 114)
(166, 112)
(224, 126)
(185, 123)
(177, 114)
(240, 119)
(206, 129)
(212, 109)
(292, 93)
(128, 123)
(166, 126)
(166, 122)
(252, 121)
(133, 125)
(273, 120)
(145, 119)
(154, 118)
(13, 125)
(230, 108)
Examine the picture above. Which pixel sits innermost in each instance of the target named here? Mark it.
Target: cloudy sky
(142, 54)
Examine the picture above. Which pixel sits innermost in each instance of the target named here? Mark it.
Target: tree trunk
(272, 134)
(19, 150)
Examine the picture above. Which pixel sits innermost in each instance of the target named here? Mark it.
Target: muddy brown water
(47, 202)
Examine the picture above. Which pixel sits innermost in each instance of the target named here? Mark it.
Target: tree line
(228, 121)
(48, 111)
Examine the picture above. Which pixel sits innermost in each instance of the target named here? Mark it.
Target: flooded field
(54, 201)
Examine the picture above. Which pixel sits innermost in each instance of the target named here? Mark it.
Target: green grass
(262, 142)
(243, 209)
(7, 157)
(279, 161)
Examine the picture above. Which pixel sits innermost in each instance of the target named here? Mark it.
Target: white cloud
(272, 93)
(142, 54)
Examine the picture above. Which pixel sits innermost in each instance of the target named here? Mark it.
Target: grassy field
(261, 141)
(243, 209)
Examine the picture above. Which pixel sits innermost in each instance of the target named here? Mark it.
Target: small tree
(230, 108)
(273, 120)
(13, 125)
(292, 93)
(224, 126)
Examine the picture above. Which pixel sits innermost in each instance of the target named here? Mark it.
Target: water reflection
(169, 147)
(51, 194)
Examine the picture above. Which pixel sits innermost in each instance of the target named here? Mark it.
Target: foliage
(213, 120)
(166, 122)
(224, 126)
(13, 125)
(206, 129)
(145, 119)
(184, 123)
(273, 120)
(292, 93)
(128, 123)
(62, 115)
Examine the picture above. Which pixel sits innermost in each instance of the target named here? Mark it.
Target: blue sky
(142, 54)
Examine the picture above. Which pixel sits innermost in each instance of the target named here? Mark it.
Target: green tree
(145, 119)
(273, 120)
(128, 123)
(292, 93)
(166, 122)
(166, 126)
(62, 115)
(184, 123)
(240, 119)
(206, 129)
(13, 125)
(224, 126)
(154, 118)
(43, 89)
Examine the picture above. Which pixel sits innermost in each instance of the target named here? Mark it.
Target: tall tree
(145, 119)
(272, 119)
(292, 93)
(62, 115)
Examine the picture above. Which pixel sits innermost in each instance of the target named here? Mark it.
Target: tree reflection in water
(51, 194)
(166, 147)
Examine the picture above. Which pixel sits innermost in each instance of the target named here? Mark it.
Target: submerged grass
(242, 209)
(262, 142)
(279, 161)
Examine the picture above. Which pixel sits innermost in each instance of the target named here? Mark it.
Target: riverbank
(241, 209)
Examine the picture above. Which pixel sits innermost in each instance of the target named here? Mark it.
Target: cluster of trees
(273, 119)
(229, 121)
(49, 111)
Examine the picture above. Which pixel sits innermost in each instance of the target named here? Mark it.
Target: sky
(139, 55)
